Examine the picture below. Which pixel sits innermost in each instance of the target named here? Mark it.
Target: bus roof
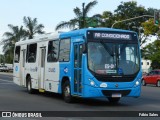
(83, 31)
(57, 35)
(43, 37)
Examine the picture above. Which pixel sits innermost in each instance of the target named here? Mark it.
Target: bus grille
(110, 92)
(115, 79)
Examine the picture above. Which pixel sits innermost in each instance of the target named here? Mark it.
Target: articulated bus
(85, 63)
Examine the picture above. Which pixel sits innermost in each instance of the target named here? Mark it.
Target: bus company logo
(65, 70)
(116, 85)
(16, 68)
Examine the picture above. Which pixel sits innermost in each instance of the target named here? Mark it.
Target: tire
(29, 85)
(67, 92)
(113, 100)
(143, 83)
(158, 83)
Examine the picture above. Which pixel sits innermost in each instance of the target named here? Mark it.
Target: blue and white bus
(86, 63)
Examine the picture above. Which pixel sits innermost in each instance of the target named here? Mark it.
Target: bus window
(64, 50)
(17, 54)
(53, 47)
(31, 53)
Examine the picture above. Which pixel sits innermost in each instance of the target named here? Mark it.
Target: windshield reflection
(113, 58)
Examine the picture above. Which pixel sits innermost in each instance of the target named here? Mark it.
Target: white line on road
(6, 80)
(6, 83)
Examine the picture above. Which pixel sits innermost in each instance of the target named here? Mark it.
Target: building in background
(146, 65)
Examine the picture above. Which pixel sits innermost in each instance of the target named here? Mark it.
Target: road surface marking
(6, 80)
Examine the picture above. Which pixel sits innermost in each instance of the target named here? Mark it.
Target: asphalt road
(16, 98)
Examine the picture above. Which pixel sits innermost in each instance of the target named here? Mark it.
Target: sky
(51, 12)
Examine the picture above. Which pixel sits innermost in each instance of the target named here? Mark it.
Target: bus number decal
(51, 69)
(34, 69)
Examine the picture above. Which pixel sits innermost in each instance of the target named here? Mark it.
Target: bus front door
(42, 69)
(78, 69)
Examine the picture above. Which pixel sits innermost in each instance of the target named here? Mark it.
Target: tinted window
(64, 50)
(53, 47)
(31, 53)
(17, 54)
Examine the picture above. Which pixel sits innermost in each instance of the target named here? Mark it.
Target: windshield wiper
(107, 48)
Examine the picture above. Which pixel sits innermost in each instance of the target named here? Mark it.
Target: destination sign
(101, 35)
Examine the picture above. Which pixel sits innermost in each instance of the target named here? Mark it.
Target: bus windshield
(119, 59)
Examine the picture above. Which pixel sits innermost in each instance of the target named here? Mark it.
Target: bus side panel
(16, 73)
(52, 76)
(32, 70)
(65, 74)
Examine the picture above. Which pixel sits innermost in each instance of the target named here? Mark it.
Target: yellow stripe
(41, 90)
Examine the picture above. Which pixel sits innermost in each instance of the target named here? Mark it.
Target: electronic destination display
(111, 35)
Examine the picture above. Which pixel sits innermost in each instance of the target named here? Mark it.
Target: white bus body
(41, 73)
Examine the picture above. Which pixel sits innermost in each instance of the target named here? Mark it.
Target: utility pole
(83, 17)
(131, 19)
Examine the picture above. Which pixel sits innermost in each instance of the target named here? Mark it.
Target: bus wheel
(158, 83)
(67, 92)
(113, 100)
(143, 83)
(29, 85)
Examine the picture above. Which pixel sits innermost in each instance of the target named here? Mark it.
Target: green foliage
(18, 33)
(149, 27)
(152, 52)
(81, 20)
(1, 59)
(143, 26)
(128, 10)
(108, 18)
(12, 37)
(32, 27)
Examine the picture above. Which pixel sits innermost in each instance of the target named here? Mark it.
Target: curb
(6, 73)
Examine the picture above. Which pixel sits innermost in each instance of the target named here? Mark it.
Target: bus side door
(41, 74)
(78, 68)
(22, 65)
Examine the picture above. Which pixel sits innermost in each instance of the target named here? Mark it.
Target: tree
(1, 59)
(12, 37)
(149, 30)
(128, 10)
(32, 27)
(152, 52)
(81, 20)
(149, 27)
(107, 19)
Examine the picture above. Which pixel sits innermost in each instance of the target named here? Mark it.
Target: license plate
(116, 95)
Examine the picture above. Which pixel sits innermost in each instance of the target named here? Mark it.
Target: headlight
(92, 83)
(137, 83)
